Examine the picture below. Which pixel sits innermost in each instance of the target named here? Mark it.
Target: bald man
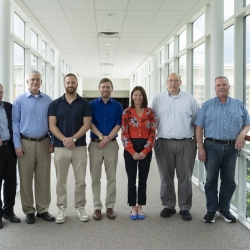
(175, 147)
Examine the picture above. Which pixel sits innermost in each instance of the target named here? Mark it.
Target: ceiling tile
(148, 15)
(167, 22)
(132, 35)
(135, 29)
(137, 23)
(82, 22)
(52, 21)
(177, 15)
(83, 29)
(43, 5)
(103, 14)
(80, 14)
(51, 28)
(179, 5)
(144, 5)
(48, 14)
(109, 29)
(155, 35)
(111, 4)
(109, 23)
(77, 4)
(163, 29)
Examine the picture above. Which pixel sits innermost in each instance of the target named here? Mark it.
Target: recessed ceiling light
(111, 14)
(108, 29)
(108, 44)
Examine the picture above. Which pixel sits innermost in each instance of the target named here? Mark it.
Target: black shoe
(11, 217)
(210, 217)
(167, 212)
(30, 218)
(1, 223)
(185, 214)
(46, 216)
(227, 216)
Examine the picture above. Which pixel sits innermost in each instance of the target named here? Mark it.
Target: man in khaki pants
(105, 124)
(69, 120)
(33, 148)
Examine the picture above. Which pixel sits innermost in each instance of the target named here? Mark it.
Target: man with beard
(7, 163)
(106, 123)
(69, 120)
(225, 122)
(33, 148)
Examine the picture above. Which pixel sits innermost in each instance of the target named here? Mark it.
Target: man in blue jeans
(225, 122)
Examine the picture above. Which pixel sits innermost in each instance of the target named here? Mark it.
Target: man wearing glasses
(7, 163)
(175, 147)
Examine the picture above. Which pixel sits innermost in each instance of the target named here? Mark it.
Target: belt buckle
(228, 142)
(5, 143)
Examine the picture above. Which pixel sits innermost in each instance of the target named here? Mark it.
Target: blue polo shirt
(70, 117)
(105, 116)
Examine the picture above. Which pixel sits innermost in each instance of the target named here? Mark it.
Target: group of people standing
(36, 126)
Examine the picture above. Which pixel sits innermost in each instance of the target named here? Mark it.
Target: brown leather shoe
(110, 213)
(97, 215)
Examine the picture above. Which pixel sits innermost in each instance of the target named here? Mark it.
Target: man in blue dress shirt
(7, 163)
(105, 124)
(33, 148)
(225, 122)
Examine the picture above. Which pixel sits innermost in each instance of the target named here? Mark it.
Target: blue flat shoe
(133, 217)
(141, 216)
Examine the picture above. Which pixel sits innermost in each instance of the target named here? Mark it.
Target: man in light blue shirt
(175, 147)
(33, 148)
(225, 122)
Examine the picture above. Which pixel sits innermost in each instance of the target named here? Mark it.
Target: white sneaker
(61, 215)
(80, 213)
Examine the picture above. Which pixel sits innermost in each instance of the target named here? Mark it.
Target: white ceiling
(142, 24)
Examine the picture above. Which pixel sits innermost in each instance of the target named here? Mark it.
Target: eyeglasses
(175, 81)
(1, 92)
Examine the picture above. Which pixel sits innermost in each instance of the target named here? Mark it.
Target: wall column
(5, 15)
(217, 42)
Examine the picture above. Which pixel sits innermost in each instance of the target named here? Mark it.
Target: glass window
(182, 40)
(199, 73)
(182, 71)
(19, 26)
(248, 63)
(162, 79)
(44, 49)
(51, 56)
(62, 66)
(150, 66)
(33, 62)
(33, 39)
(43, 87)
(228, 9)
(171, 50)
(49, 87)
(170, 68)
(18, 70)
(229, 57)
(247, 2)
(199, 28)
(162, 56)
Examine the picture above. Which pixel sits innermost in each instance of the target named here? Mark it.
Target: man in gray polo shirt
(175, 149)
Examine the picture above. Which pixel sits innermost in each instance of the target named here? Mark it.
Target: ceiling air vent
(108, 34)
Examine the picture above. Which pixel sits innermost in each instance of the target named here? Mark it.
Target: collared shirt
(29, 116)
(175, 115)
(222, 121)
(4, 130)
(69, 117)
(105, 116)
(142, 127)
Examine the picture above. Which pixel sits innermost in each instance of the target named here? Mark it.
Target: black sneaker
(210, 217)
(185, 215)
(227, 216)
(167, 212)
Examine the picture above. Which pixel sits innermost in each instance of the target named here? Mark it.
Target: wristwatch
(100, 137)
(74, 139)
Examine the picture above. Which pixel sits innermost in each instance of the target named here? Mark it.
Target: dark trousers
(8, 175)
(131, 169)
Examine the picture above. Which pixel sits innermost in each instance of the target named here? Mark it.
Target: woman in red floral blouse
(138, 134)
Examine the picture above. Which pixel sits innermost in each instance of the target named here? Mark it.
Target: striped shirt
(222, 121)
(175, 115)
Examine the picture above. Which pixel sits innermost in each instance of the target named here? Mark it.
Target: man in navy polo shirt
(69, 120)
(106, 123)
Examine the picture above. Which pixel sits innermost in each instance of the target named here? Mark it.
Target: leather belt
(34, 139)
(173, 139)
(97, 140)
(221, 141)
(6, 143)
